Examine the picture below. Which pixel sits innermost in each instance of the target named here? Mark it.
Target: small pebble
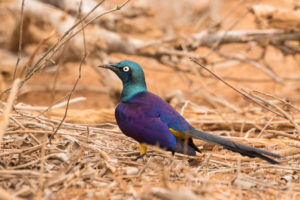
(132, 171)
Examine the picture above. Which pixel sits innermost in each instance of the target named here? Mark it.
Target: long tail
(243, 149)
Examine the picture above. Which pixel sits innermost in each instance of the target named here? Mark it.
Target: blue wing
(149, 119)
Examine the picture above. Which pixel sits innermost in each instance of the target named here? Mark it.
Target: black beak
(109, 66)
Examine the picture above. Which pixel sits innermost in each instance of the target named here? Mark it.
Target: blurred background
(160, 36)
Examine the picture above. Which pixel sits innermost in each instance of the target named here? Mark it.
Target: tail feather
(243, 149)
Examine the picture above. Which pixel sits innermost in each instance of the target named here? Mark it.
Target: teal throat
(129, 90)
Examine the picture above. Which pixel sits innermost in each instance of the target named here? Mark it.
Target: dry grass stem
(5, 115)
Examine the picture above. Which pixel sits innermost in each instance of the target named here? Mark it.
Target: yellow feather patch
(178, 134)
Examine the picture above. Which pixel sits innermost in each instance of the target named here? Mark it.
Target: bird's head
(128, 71)
(131, 75)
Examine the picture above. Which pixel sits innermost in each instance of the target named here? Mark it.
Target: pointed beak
(109, 66)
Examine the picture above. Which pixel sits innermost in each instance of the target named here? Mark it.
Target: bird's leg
(143, 151)
(138, 157)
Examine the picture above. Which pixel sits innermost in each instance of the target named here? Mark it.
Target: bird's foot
(138, 157)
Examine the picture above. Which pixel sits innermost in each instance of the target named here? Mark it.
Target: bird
(150, 120)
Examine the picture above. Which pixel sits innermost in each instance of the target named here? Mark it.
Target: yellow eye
(126, 69)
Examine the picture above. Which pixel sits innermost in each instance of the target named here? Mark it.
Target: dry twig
(5, 115)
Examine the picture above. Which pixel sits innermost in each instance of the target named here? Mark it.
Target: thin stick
(218, 42)
(281, 111)
(83, 26)
(45, 109)
(54, 103)
(46, 57)
(281, 100)
(7, 109)
(20, 39)
(22, 172)
(42, 169)
(253, 63)
(282, 133)
(78, 78)
(183, 107)
(238, 91)
(266, 126)
(62, 41)
(238, 176)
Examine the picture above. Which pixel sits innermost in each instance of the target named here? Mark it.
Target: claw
(138, 157)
